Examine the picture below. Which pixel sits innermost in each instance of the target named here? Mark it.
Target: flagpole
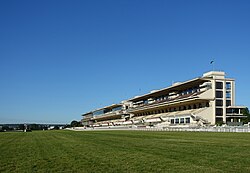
(212, 62)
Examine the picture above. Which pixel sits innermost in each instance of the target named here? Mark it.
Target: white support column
(213, 103)
(233, 93)
(224, 101)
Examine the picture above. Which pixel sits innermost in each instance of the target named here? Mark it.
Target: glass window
(219, 111)
(219, 94)
(228, 94)
(235, 110)
(117, 108)
(219, 102)
(182, 120)
(229, 110)
(99, 112)
(177, 121)
(219, 120)
(187, 120)
(107, 110)
(229, 103)
(172, 121)
(228, 85)
(219, 85)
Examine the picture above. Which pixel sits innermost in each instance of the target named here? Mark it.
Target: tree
(56, 128)
(245, 112)
(75, 123)
(21, 126)
(35, 127)
(6, 128)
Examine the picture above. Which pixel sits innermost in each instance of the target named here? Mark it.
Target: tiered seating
(161, 118)
(137, 120)
(174, 99)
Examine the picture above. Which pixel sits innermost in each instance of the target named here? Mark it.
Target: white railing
(200, 129)
(233, 129)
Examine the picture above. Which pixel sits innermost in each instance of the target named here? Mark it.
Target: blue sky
(59, 59)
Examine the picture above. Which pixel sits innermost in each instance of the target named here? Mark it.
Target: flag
(211, 62)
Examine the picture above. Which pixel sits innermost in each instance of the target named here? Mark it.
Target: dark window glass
(106, 111)
(117, 108)
(236, 110)
(182, 120)
(187, 120)
(228, 85)
(219, 111)
(219, 85)
(228, 94)
(207, 104)
(177, 121)
(219, 120)
(219, 94)
(219, 102)
(229, 110)
(229, 103)
(172, 121)
(99, 112)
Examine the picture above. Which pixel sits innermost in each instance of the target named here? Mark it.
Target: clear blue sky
(59, 59)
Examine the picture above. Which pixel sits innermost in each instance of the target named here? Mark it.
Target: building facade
(206, 100)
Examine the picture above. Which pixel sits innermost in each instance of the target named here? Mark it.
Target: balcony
(108, 115)
(235, 111)
(165, 102)
(231, 115)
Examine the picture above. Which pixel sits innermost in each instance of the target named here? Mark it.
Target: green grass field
(124, 151)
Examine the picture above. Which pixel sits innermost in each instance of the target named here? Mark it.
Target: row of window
(173, 109)
(104, 111)
(234, 111)
(180, 120)
(219, 85)
(169, 96)
(220, 103)
(219, 94)
(220, 120)
(219, 111)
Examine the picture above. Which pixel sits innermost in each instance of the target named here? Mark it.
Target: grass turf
(124, 151)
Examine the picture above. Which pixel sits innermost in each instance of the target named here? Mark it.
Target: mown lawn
(124, 151)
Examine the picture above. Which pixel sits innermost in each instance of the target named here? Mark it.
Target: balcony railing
(178, 98)
(110, 113)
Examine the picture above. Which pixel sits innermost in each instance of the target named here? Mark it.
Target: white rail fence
(200, 129)
(235, 129)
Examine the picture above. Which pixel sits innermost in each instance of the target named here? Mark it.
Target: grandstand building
(206, 100)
